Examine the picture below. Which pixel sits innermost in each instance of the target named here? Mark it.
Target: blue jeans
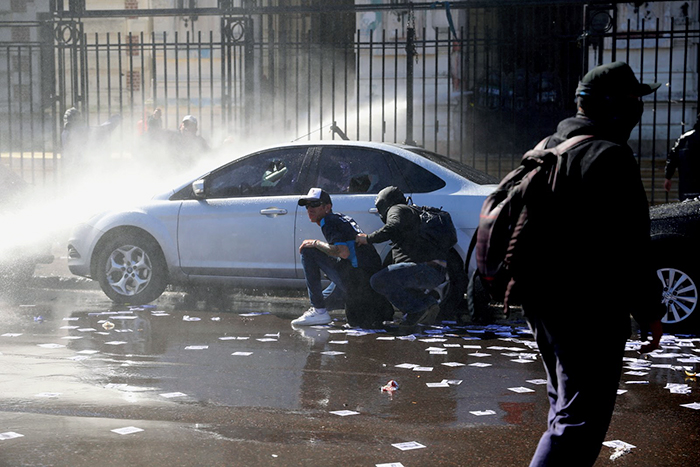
(334, 297)
(404, 285)
(314, 262)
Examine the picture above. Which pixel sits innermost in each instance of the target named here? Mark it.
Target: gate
(479, 84)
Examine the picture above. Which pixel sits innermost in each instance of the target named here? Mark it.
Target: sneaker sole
(311, 323)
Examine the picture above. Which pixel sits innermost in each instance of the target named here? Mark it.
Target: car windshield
(470, 173)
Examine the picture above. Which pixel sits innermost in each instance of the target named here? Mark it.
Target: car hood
(690, 208)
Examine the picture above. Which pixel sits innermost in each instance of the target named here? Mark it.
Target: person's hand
(667, 184)
(361, 239)
(307, 244)
(656, 331)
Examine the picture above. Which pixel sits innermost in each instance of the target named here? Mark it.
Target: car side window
(415, 178)
(353, 170)
(271, 173)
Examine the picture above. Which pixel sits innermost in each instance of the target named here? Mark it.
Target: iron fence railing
(479, 94)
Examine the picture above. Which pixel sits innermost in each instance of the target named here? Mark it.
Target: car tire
(132, 269)
(680, 294)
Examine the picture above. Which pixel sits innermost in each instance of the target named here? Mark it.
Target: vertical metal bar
(424, 82)
(97, 72)
(154, 73)
(653, 127)
(320, 90)
(410, 52)
(308, 84)
(685, 73)
(21, 109)
(396, 85)
(143, 81)
(436, 94)
(188, 73)
(461, 94)
(10, 113)
(448, 92)
(297, 74)
(474, 75)
(629, 40)
(249, 73)
(211, 82)
(369, 86)
(383, 84)
(177, 80)
(165, 80)
(358, 73)
(613, 56)
(31, 111)
(130, 51)
(199, 85)
(334, 53)
(346, 88)
(641, 71)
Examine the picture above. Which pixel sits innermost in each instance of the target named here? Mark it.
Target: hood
(388, 197)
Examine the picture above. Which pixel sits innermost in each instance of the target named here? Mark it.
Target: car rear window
(470, 173)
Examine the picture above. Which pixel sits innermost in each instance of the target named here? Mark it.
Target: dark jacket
(401, 227)
(597, 256)
(685, 156)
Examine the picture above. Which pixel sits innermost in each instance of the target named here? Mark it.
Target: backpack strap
(569, 143)
(543, 144)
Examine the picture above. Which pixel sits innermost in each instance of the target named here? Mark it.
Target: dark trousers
(404, 285)
(583, 367)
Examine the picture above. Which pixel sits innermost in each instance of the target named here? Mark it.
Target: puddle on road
(252, 357)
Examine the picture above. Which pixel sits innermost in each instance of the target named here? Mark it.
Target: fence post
(410, 53)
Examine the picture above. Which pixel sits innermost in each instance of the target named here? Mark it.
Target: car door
(353, 176)
(244, 223)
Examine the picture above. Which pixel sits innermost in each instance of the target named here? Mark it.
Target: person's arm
(671, 163)
(396, 218)
(627, 230)
(337, 251)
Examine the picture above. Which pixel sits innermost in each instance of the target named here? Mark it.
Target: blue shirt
(339, 229)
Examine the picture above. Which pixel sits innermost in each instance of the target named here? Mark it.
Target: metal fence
(482, 91)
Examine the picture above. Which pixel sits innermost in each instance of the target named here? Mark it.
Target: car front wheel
(131, 269)
(680, 296)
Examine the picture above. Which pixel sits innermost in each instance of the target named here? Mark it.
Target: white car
(239, 225)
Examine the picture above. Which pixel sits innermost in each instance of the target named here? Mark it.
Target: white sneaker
(313, 316)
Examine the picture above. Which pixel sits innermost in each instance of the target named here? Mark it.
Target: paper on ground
(480, 413)
(127, 430)
(408, 446)
(521, 389)
(345, 413)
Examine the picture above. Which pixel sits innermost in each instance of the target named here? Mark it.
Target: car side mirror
(198, 188)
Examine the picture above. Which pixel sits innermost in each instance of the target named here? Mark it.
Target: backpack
(436, 227)
(506, 227)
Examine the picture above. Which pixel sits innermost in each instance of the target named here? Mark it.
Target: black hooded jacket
(401, 227)
(598, 252)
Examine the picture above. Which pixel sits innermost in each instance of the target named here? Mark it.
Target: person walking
(685, 156)
(579, 321)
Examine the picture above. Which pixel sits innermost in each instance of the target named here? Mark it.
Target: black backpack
(436, 227)
(505, 229)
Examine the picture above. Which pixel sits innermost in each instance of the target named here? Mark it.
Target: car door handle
(374, 211)
(273, 212)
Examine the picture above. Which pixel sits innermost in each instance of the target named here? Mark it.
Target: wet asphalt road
(204, 384)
